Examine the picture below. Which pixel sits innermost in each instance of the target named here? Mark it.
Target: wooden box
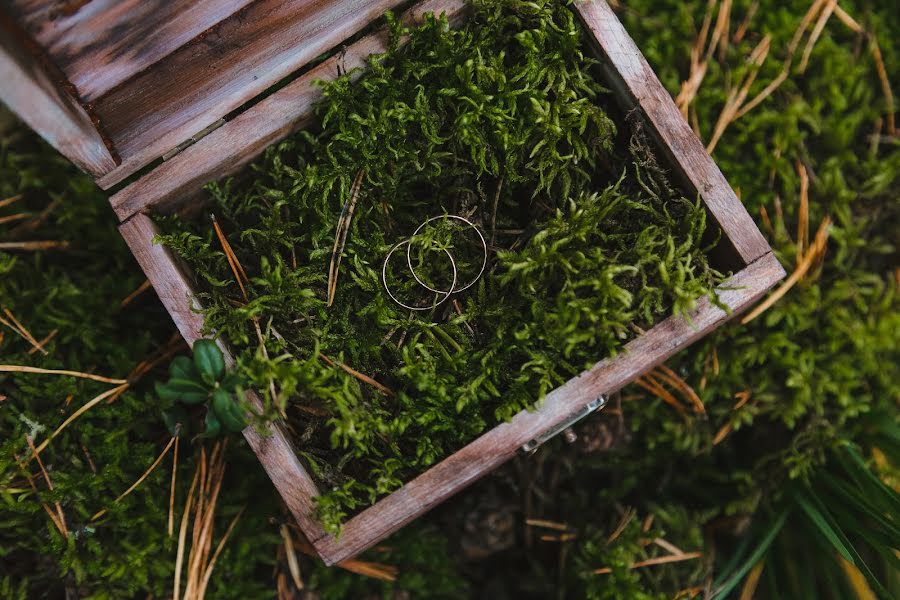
(173, 94)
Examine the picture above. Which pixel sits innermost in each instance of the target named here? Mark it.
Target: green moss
(501, 121)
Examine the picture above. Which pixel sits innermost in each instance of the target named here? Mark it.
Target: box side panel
(216, 73)
(101, 43)
(273, 447)
(632, 79)
(501, 443)
(243, 138)
(31, 91)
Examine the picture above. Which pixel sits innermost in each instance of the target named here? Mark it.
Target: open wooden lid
(150, 75)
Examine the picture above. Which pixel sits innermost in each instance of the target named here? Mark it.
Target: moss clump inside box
(504, 123)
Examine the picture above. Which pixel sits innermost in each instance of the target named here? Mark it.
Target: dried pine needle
(34, 245)
(87, 406)
(661, 560)
(140, 480)
(815, 251)
(340, 237)
(816, 32)
(59, 512)
(79, 374)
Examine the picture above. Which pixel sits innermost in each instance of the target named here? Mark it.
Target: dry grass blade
(79, 374)
(340, 237)
(847, 20)
(34, 245)
(140, 480)
(87, 406)
(239, 274)
(815, 253)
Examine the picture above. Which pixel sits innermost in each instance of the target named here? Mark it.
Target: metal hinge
(193, 139)
(566, 423)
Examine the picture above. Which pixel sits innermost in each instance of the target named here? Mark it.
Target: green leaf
(228, 411)
(183, 368)
(823, 526)
(209, 359)
(213, 426)
(187, 390)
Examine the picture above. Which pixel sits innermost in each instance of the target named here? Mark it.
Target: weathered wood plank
(631, 77)
(501, 443)
(230, 64)
(39, 99)
(100, 43)
(240, 140)
(175, 289)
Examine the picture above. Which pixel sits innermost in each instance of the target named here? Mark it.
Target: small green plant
(204, 379)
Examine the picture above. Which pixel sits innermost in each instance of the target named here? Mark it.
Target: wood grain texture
(227, 66)
(501, 443)
(99, 44)
(243, 138)
(631, 78)
(175, 289)
(38, 98)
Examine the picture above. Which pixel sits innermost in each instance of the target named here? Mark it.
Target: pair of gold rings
(443, 295)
